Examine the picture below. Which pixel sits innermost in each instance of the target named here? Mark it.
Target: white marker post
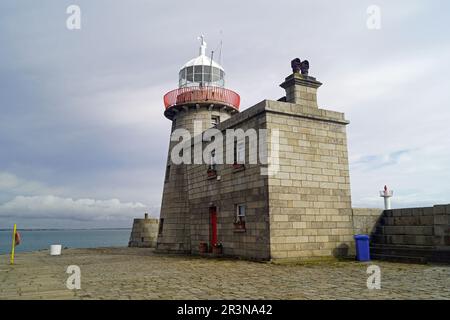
(387, 195)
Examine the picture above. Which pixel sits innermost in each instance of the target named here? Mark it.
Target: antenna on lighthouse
(211, 67)
(387, 195)
(221, 46)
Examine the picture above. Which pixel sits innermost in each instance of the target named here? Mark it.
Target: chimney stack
(300, 87)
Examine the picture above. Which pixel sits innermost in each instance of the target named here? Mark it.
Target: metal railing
(202, 94)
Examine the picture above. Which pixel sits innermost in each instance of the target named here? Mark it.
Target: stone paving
(132, 273)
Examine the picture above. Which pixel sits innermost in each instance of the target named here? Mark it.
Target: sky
(83, 139)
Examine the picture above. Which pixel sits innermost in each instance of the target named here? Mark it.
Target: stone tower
(144, 232)
(201, 98)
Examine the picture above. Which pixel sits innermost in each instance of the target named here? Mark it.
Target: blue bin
(362, 247)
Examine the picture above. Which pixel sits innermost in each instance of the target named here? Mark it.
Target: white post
(387, 195)
(387, 203)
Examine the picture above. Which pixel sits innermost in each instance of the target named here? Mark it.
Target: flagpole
(13, 244)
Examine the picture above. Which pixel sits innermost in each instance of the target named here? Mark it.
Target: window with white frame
(240, 152)
(240, 213)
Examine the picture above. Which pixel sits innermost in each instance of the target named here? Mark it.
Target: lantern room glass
(200, 75)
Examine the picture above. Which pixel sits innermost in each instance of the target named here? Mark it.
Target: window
(207, 77)
(216, 74)
(215, 120)
(239, 155)
(212, 163)
(160, 227)
(240, 152)
(239, 223)
(198, 77)
(190, 73)
(198, 69)
(240, 212)
(167, 173)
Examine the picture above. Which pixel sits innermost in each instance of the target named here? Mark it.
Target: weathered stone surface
(131, 273)
(425, 232)
(144, 233)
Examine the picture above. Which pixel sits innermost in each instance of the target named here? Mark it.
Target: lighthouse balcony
(201, 95)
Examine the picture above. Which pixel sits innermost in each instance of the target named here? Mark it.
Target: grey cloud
(81, 112)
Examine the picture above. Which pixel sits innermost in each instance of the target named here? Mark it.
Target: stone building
(293, 203)
(144, 232)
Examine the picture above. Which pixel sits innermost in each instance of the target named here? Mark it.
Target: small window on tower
(239, 155)
(160, 227)
(212, 163)
(240, 152)
(239, 223)
(215, 120)
(167, 174)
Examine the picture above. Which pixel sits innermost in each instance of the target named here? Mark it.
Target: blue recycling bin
(362, 247)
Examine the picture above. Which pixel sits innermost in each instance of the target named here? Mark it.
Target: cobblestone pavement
(125, 273)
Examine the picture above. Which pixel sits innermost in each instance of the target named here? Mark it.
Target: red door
(213, 226)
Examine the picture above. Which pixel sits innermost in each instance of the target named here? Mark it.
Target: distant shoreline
(66, 229)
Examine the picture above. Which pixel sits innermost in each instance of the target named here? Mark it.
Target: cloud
(375, 162)
(10, 184)
(32, 203)
(84, 120)
(53, 207)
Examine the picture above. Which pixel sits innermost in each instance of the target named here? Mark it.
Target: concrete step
(409, 251)
(404, 230)
(395, 258)
(407, 221)
(414, 254)
(409, 212)
(402, 239)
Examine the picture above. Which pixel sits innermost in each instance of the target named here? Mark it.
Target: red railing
(202, 94)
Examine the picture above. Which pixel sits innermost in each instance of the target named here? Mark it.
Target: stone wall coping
(367, 211)
(149, 220)
(279, 107)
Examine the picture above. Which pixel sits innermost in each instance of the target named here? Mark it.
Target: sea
(33, 240)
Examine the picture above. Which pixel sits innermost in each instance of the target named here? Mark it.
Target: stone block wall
(441, 224)
(309, 198)
(175, 214)
(414, 227)
(365, 220)
(244, 186)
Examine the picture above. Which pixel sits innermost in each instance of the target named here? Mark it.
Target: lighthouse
(201, 93)
(387, 195)
(201, 97)
(238, 207)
